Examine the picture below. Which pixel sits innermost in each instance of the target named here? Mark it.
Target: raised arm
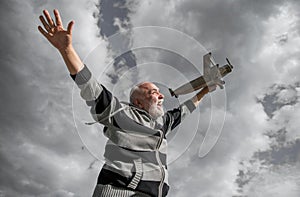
(196, 99)
(61, 39)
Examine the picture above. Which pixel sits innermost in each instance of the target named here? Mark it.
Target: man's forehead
(149, 86)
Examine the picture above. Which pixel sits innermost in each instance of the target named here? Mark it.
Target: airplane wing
(212, 75)
(206, 64)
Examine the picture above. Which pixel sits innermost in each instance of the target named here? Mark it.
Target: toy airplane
(212, 76)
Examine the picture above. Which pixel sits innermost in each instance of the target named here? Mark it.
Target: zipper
(161, 184)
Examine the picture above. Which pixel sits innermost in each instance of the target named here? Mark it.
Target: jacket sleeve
(174, 117)
(101, 101)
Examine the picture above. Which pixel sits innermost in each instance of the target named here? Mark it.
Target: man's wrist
(72, 60)
(83, 76)
(66, 50)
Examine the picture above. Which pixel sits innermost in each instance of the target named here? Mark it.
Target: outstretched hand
(61, 39)
(55, 32)
(197, 98)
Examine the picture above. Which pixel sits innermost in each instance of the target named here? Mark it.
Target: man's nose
(161, 96)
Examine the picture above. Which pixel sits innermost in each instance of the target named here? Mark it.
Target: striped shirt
(136, 150)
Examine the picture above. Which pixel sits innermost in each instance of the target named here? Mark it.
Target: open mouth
(160, 102)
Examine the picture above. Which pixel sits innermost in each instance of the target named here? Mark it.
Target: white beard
(156, 111)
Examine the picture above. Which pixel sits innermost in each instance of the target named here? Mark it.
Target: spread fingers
(49, 19)
(46, 25)
(57, 18)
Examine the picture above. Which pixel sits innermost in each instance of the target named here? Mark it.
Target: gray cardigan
(136, 150)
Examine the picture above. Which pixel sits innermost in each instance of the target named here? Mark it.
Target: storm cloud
(257, 153)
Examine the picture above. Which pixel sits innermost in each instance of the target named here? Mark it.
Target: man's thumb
(70, 27)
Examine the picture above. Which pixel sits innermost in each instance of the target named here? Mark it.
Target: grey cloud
(283, 151)
(36, 112)
(110, 12)
(269, 161)
(164, 56)
(280, 155)
(272, 103)
(282, 39)
(234, 29)
(35, 99)
(229, 25)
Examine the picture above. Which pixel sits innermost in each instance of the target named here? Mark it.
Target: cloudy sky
(45, 148)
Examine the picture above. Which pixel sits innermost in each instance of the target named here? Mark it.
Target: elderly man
(136, 149)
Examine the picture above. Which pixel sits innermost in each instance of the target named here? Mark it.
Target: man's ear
(137, 103)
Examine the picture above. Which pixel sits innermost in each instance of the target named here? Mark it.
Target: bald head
(138, 91)
(146, 96)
